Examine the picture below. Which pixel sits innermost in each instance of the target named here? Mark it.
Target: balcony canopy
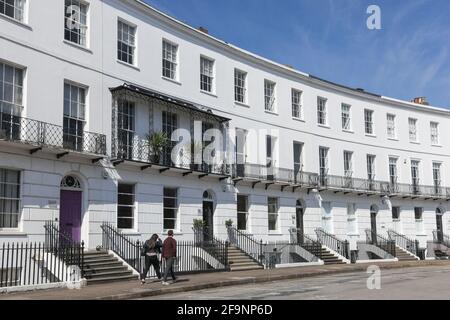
(144, 93)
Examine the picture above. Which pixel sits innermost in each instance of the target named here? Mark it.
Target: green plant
(229, 223)
(199, 224)
(156, 142)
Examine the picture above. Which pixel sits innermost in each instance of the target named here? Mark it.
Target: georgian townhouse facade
(83, 84)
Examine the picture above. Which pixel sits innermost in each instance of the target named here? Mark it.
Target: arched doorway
(70, 207)
(439, 225)
(373, 221)
(208, 214)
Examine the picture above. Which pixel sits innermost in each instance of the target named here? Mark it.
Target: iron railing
(218, 249)
(441, 238)
(24, 264)
(248, 244)
(353, 184)
(306, 242)
(126, 248)
(282, 175)
(419, 190)
(403, 242)
(192, 257)
(381, 242)
(62, 246)
(41, 134)
(137, 149)
(334, 243)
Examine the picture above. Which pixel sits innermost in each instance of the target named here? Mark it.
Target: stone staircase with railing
(101, 267)
(240, 261)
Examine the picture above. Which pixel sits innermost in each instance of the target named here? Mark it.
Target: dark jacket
(169, 248)
(152, 246)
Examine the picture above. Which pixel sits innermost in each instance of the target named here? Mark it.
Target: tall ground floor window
(273, 213)
(170, 208)
(242, 212)
(418, 212)
(125, 206)
(9, 198)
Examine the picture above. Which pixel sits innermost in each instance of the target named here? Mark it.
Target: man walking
(169, 253)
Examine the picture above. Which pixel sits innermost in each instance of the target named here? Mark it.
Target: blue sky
(408, 57)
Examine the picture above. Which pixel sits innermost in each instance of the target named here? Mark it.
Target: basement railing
(440, 237)
(334, 243)
(63, 247)
(218, 249)
(402, 241)
(381, 242)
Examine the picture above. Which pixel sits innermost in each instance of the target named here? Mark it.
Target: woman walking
(151, 249)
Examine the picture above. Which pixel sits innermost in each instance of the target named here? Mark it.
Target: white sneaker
(165, 283)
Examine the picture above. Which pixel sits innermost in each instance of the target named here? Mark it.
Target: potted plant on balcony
(156, 143)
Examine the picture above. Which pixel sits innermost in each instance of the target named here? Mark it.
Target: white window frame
(412, 127)
(270, 96)
(276, 213)
(20, 7)
(348, 164)
(170, 58)
(434, 133)
(81, 20)
(207, 75)
(437, 174)
(131, 42)
(176, 209)
(368, 122)
(133, 206)
(19, 200)
(323, 161)
(297, 108)
(371, 167)
(391, 128)
(346, 117)
(322, 116)
(246, 212)
(393, 164)
(16, 105)
(240, 83)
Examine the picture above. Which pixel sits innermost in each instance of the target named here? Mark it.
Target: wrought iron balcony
(257, 172)
(138, 151)
(38, 135)
(350, 184)
(414, 190)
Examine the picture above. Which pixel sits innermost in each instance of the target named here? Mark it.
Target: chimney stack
(204, 30)
(421, 100)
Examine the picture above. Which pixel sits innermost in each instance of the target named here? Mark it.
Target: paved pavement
(423, 283)
(134, 290)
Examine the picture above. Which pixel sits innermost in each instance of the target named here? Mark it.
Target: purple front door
(70, 214)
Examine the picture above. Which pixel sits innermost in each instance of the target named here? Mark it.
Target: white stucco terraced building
(81, 90)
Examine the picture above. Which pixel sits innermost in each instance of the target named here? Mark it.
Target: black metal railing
(440, 237)
(42, 134)
(275, 174)
(334, 243)
(137, 149)
(381, 242)
(192, 256)
(419, 190)
(248, 244)
(308, 243)
(62, 246)
(403, 242)
(126, 248)
(218, 249)
(353, 184)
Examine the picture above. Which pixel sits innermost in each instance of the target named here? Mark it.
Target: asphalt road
(425, 283)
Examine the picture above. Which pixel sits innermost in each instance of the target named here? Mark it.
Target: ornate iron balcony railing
(134, 148)
(353, 184)
(41, 134)
(274, 174)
